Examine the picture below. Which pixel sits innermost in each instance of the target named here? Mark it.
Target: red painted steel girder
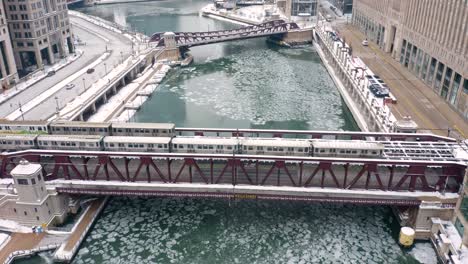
(77, 165)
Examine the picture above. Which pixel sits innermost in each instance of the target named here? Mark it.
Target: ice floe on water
(261, 86)
(170, 230)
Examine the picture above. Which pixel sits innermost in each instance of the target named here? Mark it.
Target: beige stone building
(429, 37)
(40, 32)
(8, 73)
(29, 202)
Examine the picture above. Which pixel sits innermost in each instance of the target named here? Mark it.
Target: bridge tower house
(171, 51)
(32, 203)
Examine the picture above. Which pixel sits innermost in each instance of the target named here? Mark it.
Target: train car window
(111, 145)
(259, 148)
(45, 143)
(147, 131)
(299, 150)
(229, 147)
(348, 151)
(73, 144)
(250, 148)
(141, 145)
(181, 146)
(269, 149)
(280, 149)
(342, 151)
(127, 130)
(210, 146)
(39, 128)
(66, 129)
(290, 149)
(26, 142)
(374, 152)
(105, 129)
(199, 147)
(121, 145)
(17, 142)
(73, 129)
(317, 150)
(150, 145)
(354, 152)
(130, 145)
(205, 146)
(160, 146)
(164, 131)
(322, 151)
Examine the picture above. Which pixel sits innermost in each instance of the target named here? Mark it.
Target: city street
(95, 41)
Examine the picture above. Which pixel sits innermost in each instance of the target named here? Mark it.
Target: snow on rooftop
(25, 168)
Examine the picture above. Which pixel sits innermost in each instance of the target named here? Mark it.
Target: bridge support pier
(419, 218)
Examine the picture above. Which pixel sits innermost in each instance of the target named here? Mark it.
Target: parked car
(365, 43)
(90, 70)
(69, 86)
(50, 73)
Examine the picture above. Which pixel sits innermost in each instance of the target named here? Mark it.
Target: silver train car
(197, 144)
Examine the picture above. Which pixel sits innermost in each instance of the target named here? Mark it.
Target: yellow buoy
(406, 236)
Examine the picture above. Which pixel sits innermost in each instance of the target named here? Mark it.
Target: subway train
(88, 128)
(194, 144)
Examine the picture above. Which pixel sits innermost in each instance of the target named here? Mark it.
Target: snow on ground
(3, 239)
(13, 226)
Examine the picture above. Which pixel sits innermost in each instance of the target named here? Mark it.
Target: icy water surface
(241, 84)
(171, 230)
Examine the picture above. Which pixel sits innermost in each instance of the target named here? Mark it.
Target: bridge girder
(302, 172)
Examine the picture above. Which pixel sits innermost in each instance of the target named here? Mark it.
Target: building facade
(426, 36)
(40, 32)
(298, 7)
(345, 6)
(29, 201)
(8, 73)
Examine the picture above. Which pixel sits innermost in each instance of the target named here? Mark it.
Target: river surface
(244, 84)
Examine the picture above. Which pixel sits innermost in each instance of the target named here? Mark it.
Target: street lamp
(84, 84)
(57, 104)
(21, 110)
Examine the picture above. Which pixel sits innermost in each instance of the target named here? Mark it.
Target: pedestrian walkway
(20, 242)
(79, 232)
(415, 99)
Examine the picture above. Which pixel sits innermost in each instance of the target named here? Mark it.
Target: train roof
(347, 144)
(277, 142)
(24, 122)
(80, 138)
(150, 140)
(197, 140)
(78, 124)
(18, 136)
(144, 125)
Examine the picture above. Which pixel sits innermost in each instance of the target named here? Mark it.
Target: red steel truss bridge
(327, 179)
(191, 39)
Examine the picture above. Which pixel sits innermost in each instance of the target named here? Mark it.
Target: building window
(35, 209)
(20, 44)
(418, 62)
(37, 217)
(413, 57)
(14, 209)
(438, 77)
(33, 181)
(39, 178)
(446, 83)
(22, 182)
(403, 50)
(424, 65)
(25, 213)
(430, 76)
(408, 54)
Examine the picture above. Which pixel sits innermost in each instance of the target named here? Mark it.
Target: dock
(67, 250)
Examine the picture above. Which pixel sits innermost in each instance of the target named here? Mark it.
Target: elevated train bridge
(191, 39)
(407, 173)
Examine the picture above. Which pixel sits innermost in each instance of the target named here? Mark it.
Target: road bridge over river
(191, 39)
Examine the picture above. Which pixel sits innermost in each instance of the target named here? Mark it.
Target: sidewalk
(415, 99)
(20, 242)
